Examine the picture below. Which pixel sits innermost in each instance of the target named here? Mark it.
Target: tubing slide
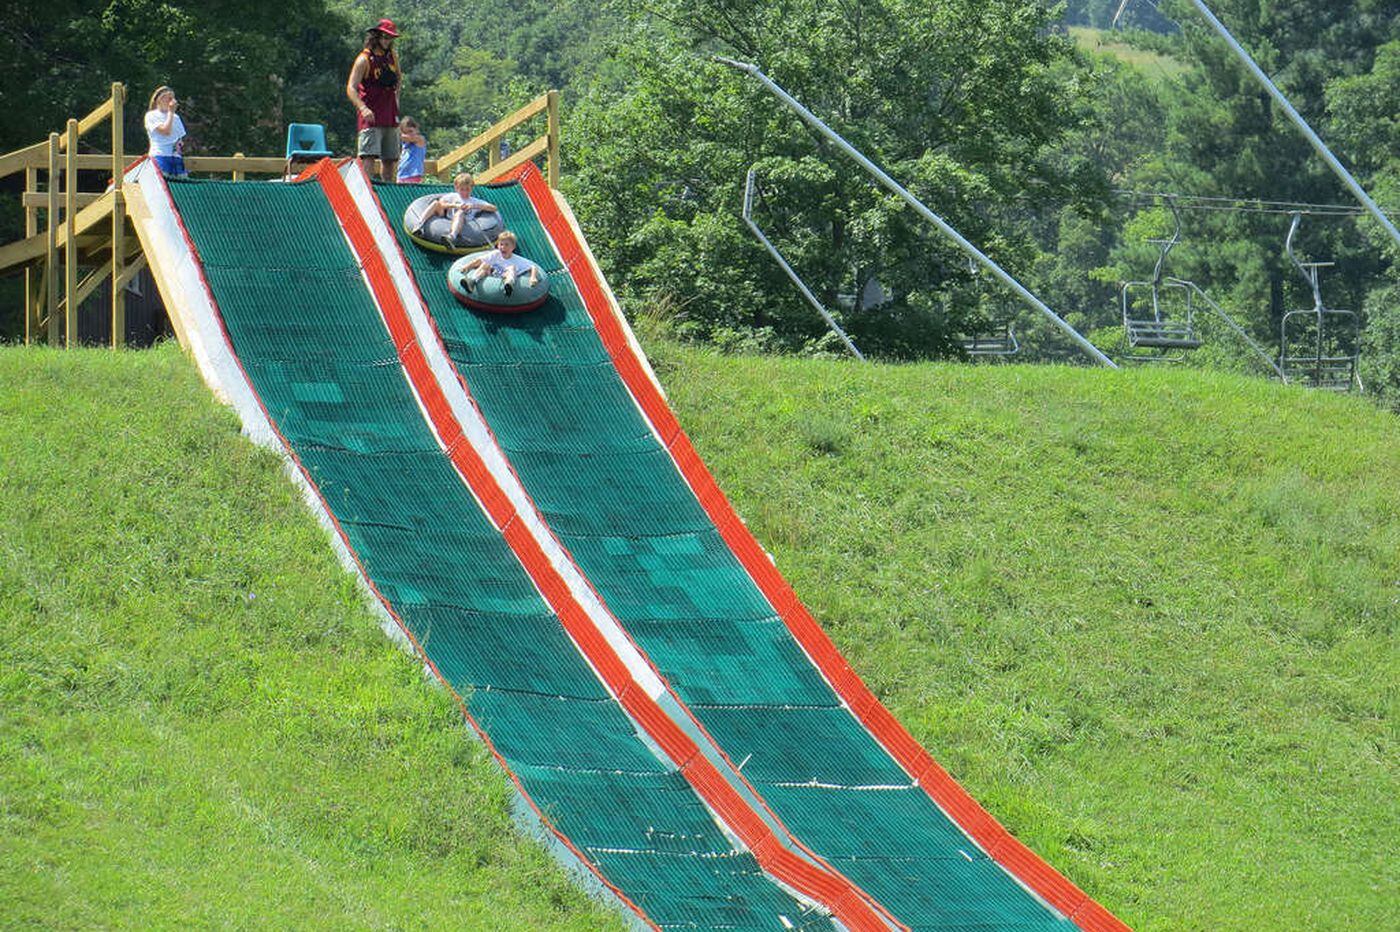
(528, 516)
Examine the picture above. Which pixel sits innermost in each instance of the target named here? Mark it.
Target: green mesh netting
(608, 490)
(303, 324)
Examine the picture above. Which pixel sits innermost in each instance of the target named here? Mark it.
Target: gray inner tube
(477, 231)
(490, 292)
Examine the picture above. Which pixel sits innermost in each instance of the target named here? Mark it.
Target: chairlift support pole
(778, 257)
(811, 120)
(1316, 141)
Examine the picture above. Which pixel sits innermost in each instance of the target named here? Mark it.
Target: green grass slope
(1147, 618)
(200, 721)
(1108, 42)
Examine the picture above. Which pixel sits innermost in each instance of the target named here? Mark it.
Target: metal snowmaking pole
(1316, 141)
(811, 120)
(783, 263)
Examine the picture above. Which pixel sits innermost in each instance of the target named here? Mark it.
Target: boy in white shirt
(460, 202)
(503, 262)
(167, 132)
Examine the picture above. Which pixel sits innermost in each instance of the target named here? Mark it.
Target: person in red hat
(373, 89)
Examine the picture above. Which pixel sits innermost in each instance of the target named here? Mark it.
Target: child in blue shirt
(413, 149)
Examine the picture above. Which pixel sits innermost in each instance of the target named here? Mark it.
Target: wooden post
(493, 151)
(118, 220)
(552, 164)
(32, 276)
(237, 174)
(70, 250)
(51, 254)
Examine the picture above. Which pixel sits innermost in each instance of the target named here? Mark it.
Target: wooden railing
(89, 227)
(490, 140)
(74, 226)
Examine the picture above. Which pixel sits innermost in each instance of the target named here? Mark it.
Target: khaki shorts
(379, 142)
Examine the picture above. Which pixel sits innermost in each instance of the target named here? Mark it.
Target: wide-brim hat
(385, 26)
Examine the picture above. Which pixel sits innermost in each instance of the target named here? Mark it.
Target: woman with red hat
(373, 89)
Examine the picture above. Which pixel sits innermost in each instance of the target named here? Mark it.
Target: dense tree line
(1026, 144)
(986, 110)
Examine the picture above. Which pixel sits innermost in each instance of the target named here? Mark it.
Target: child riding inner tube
(478, 232)
(490, 294)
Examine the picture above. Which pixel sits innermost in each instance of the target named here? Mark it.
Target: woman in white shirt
(167, 132)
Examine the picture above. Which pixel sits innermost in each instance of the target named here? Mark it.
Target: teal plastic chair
(305, 141)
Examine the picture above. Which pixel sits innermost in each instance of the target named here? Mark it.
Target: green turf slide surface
(610, 492)
(306, 331)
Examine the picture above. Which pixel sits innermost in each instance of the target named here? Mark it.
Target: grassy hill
(1147, 617)
(1106, 41)
(202, 723)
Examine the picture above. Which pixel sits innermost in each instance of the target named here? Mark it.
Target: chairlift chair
(1318, 346)
(997, 340)
(1145, 332)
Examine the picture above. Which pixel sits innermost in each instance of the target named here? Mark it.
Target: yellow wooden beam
(32, 247)
(118, 219)
(29, 157)
(552, 164)
(532, 151)
(228, 164)
(51, 243)
(32, 278)
(81, 291)
(33, 157)
(39, 199)
(99, 113)
(496, 131)
(135, 263)
(70, 236)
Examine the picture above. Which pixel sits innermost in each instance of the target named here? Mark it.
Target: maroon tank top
(379, 89)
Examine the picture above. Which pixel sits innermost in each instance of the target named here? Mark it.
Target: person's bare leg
(387, 170)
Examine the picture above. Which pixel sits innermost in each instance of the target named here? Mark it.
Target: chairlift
(998, 339)
(994, 337)
(1147, 326)
(1318, 346)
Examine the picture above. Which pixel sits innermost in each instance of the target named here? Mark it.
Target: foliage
(1211, 130)
(463, 73)
(242, 71)
(1148, 617)
(962, 101)
(1362, 116)
(203, 724)
(1140, 14)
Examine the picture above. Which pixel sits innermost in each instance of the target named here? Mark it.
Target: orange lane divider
(826, 887)
(976, 821)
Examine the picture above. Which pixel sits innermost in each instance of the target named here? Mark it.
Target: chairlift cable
(1245, 204)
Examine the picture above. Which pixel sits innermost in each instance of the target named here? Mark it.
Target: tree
(1363, 120)
(242, 71)
(962, 101)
